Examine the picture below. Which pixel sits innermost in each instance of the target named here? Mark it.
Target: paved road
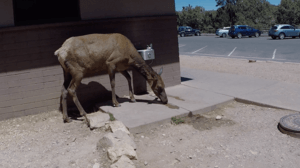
(262, 48)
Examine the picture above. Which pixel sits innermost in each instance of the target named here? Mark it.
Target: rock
(218, 117)
(115, 153)
(123, 162)
(117, 125)
(97, 119)
(145, 163)
(115, 139)
(253, 152)
(175, 161)
(96, 165)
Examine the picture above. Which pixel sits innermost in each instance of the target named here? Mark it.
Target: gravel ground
(43, 140)
(246, 136)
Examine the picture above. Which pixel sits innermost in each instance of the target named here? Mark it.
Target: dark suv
(243, 30)
(188, 31)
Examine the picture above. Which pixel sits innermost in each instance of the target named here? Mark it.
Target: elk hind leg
(75, 82)
(127, 76)
(64, 95)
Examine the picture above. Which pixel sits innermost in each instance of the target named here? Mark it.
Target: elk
(88, 54)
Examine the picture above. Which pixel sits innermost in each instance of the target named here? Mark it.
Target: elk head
(158, 87)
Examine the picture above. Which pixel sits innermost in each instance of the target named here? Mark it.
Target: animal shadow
(122, 100)
(93, 95)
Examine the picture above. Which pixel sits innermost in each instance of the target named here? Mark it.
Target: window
(291, 27)
(29, 12)
(285, 27)
(242, 27)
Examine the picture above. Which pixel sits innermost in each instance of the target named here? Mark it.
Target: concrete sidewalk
(261, 91)
(202, 91)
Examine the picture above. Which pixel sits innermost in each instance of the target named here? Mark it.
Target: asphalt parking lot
(261, 48)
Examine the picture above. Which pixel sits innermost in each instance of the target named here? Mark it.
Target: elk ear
(160, 71)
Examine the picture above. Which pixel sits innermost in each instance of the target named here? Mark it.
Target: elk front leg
(111, 73)
(72, 91)
(127, 76)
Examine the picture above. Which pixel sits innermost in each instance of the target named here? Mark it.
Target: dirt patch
(171, 106)
(176, 97)
(246, 136)
(201, 122)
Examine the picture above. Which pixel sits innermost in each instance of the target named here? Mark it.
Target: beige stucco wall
(6, 13)
(98, 9)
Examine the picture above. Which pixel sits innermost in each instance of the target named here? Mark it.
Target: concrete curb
(245, 101)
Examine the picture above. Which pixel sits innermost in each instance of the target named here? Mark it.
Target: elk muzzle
(163, 96)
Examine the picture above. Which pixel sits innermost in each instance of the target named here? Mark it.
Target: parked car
(284, 30)
(188, 31)
(243, 30)
(223, 32)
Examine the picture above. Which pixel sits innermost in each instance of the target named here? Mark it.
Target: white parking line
(212, 54)
(182, 45)
(198, 50)
(274, 54)
(231, 52)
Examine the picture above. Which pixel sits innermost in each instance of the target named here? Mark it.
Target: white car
(223, 32)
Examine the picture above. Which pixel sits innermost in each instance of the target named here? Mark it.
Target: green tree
(288, 12)
(190, 16)
(230, 7)
(209, 25)
(256, 13)
(222, 18)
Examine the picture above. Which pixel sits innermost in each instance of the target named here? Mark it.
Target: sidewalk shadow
(123, 100)
(183, 79)
(94, 94)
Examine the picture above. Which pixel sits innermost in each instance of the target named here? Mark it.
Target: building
(31, 30)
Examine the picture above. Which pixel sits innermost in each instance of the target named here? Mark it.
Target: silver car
(223, 32)
(284, 30)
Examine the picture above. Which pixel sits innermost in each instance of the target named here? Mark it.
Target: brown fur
(88, 54)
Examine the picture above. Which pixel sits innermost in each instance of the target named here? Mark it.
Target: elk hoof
(117, 105)
(87, 121)
(67, 120)
(132, 100)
